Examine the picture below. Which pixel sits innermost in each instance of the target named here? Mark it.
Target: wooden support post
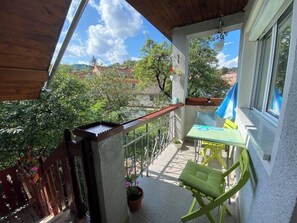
(80, 208)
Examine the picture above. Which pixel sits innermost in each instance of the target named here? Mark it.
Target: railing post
(147, 148)
(79, 206)
(103, 155)
(134, 153)
(174, 125)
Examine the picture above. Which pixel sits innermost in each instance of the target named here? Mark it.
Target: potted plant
(178, 143)
(134, 192)
(175, 73)
(29, 162)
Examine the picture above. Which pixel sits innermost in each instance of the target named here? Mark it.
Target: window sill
(259, 132)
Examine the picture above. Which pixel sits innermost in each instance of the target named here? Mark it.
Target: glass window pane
(263, 71)
(279, 69)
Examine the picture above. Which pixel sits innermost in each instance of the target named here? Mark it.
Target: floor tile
(164, 201)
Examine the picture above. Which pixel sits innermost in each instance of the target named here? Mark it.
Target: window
(272, 66)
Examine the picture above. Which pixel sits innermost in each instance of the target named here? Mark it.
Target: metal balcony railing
(146, 137)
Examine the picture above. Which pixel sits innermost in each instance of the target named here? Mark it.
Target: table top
(216, 134)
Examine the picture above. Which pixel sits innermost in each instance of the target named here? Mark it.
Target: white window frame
(272, 119)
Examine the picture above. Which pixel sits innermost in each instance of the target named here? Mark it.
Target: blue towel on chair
(227, 108)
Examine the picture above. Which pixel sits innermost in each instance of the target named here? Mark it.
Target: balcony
(164, 201)
(148, 150)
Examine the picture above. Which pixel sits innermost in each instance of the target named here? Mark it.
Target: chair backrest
(243, 177)
(230, 125)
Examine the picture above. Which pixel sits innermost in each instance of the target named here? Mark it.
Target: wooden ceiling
(168, 14)
(29, 32)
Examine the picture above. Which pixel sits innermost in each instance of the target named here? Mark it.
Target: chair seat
(202, 178)
(205, 182)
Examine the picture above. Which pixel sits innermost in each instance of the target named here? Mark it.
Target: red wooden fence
(51, 189)
(12, 195)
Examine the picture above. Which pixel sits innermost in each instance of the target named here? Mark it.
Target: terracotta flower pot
(134, 201)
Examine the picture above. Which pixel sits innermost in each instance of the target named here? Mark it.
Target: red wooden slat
(52, 192)
(67, 180)
(3, 208)
(58, 153)
(11, 195)
(22, 198)
(60, 189)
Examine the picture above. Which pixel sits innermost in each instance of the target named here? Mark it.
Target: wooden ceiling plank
(20, 51)
(27, 62)
(47, 13)
(14, 26)
(12, 97)
(23, 45)
(9, 74)
(166, 15)
(29, 33)
(16, 85)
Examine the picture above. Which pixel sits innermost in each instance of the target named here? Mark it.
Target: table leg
(227, 148)
(196, 144)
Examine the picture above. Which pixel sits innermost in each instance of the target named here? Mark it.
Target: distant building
(143, 97)
(230, 78)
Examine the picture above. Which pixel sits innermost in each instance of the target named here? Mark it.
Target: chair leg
(227, 210)
(222, 215)
(198, 212)
(219, 158)
(215, 154)
(224, 210)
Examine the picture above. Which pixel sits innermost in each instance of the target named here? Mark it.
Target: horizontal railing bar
(134, 140)
(204, 101)
(131, 125)
(157, 126)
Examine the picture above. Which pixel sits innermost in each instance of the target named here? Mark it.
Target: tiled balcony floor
(164, 201)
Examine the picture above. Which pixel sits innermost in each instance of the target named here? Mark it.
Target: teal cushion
(202, 178)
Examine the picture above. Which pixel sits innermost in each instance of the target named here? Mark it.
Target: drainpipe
(66, 41)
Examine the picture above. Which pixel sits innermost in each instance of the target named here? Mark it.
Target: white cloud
(118, 22)
(228, 43)
(223, 62)
(76, 50)
(83, 62)
(135, 58)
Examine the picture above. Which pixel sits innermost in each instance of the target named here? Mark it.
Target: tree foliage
(94, 61)
(39, 124)
(113, 93)
(204, 78)
(154, 65)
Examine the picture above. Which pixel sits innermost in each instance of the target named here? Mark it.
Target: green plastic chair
(205, 182)
(215, 148)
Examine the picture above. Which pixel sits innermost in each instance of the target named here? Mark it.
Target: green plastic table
(229, 137)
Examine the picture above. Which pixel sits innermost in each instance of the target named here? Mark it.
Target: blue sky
(113, 31)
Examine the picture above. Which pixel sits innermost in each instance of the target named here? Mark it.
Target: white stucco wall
(180, 62)
(108, 156)
(180, 41)
(271, 194)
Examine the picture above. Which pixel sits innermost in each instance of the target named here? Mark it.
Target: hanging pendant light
(218, 45)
